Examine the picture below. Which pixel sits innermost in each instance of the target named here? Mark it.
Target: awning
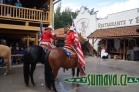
(128, 31)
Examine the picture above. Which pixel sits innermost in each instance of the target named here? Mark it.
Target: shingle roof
(59, 32)
(115, 32)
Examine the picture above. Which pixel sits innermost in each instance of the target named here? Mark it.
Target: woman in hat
(45, 37)
(70, 37)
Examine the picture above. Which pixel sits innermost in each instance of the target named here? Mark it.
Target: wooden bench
(117, 55)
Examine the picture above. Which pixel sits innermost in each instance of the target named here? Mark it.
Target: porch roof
(128, 31)
(59, 33)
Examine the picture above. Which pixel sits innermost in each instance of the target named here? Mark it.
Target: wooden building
(127, 36)
(24, 22)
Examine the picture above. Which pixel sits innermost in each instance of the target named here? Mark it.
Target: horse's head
(85, 46)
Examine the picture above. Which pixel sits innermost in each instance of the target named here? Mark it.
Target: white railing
(9, 11)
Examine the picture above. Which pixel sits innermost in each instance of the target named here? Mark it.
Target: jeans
(13, 60)
(1, 60)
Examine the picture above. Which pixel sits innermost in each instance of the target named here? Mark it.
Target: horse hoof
(5, 74)
(10, 72)
(49, 90)
(27, 85)
(78, 85)
(34, 85)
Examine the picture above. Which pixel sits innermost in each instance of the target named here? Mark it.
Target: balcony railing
(13, 12)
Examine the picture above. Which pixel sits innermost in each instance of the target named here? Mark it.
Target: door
(110, 45)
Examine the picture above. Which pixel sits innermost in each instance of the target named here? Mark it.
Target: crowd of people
(20, 11)
(19, 4)
(10, 2)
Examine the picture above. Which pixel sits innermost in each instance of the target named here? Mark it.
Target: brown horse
(54, 60)
(5, 53)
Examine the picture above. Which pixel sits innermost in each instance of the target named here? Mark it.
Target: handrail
(14, 12)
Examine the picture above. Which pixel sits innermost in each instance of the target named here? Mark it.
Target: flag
(41, 25)
(78, 46)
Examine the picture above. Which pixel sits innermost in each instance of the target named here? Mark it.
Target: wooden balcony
(23, 14)
(21, 22)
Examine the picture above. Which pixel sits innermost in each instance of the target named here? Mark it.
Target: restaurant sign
(118, 23)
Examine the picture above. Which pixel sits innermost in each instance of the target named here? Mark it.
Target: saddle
(70, 51)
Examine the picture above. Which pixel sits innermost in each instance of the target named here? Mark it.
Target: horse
(55, 59)
(33, 54)
(83, 46)
(5, 53)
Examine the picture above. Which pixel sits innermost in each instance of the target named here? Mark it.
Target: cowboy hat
(71, 28)
(49, 27)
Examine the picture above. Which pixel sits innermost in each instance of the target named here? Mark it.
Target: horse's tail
(26, 68)
(10, 62)
(48, 71)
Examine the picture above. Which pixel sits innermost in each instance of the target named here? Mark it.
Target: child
(22, 50)
(17, 51)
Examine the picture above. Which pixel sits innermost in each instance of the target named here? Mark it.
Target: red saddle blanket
(46, 47)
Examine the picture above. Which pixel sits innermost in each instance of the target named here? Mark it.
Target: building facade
(115, 30)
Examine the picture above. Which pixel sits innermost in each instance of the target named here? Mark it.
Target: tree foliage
(61, 19)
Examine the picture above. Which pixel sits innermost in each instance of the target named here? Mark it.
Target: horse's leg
(78, 72)
(73, 72)
(26, 73)
(7, 66)
(55, 74)
(53, 80)
(33, 66)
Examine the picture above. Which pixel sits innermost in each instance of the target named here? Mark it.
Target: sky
(104, 7)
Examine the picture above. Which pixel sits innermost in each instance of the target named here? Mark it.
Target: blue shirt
(22, 51)
(18, 4)
(17, 52)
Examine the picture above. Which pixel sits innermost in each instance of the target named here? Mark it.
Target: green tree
(63, 18)
(57, 18)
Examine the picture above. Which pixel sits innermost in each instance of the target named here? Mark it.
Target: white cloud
(118, 7)
(73, 6)
(104, 3)
(104, 8)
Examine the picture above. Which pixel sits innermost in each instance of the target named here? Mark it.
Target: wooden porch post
(50, 11)
(28, 40)
(26, 23)
(124, 50)
(93, 47)
(36, 39)
(106, 42)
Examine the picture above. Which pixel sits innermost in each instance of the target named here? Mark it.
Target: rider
(46, 35)
(70, 36)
